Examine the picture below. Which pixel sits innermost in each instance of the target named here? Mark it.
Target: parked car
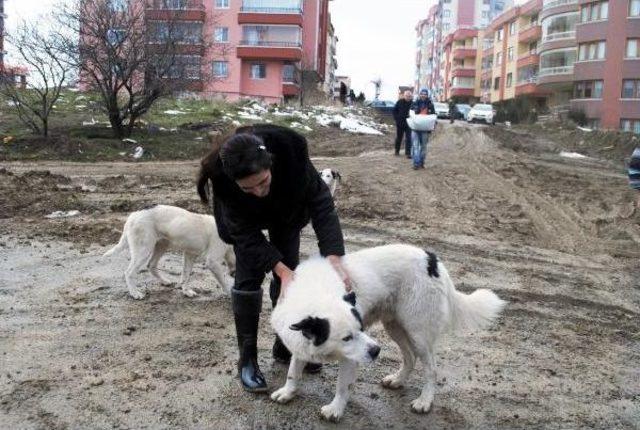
(461, 111)
(442, 109)
(482, 112)
(382, 106)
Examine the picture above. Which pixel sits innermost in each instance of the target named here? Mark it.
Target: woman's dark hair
(244, 155)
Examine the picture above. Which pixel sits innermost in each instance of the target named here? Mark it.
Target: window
(630, 125)
(258, 71)
(512, 28)
(119, 5)
(445, 27)
(633, 46)
(591, 51)
(220, 69)
(509, 79)
(597, 11)
(631, 89)
(221, 34)
(446, 13)
(499, 59)
(499, 34)
(634, 8)
(485, 14)
(115, 36)
(222, 4)
(288, 73)
(496, 83)
(510, 53)
(587, 90)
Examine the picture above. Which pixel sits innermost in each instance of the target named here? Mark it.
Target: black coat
(297, 195)
(401, 112)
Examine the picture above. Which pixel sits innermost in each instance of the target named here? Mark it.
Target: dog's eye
(347, 338)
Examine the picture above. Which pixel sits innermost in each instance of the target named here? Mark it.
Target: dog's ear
(336, 175)
(315, 329)
(350, 298)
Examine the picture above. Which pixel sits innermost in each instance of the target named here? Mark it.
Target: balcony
(466, 52)
(274, 50)
(552, 71)
(550, 4)
(271, 12)
(556, 77)
(463, 72)
(180, 10)
(461, 92)
(529, 86)
(530, 33)
(530, 59)
(559, 36)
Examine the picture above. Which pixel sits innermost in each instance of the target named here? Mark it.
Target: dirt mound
(333, 142)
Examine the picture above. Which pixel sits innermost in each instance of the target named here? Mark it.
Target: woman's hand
(336, 262)
(286, 276)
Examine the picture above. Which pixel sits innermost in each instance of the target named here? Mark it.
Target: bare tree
(131, 58)
(48, 73)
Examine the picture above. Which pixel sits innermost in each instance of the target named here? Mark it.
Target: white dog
(404, 287)
(331, 178)
(151, 232)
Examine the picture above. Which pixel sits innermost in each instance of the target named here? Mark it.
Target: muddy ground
(558, 238)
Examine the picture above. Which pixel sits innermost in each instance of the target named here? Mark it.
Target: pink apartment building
(15, 74)
(267, 42)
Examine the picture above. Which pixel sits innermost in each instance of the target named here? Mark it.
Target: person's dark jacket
(401, 112)
(297, 195)
(423, 106)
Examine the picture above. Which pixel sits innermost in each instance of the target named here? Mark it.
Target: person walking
(419, 139)
(400, 114)
(263, 179)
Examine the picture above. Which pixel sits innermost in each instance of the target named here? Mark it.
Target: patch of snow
(588, 130)
(236, 123)
(246, 115)
(572, 155)
(92, 122)
(129, 140)
(352, 125)
(138, 152)
(175, 112)
(62, 214)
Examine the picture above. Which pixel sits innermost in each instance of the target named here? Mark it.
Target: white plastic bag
(422, 122)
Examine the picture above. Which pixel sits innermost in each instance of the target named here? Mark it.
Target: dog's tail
(468, 311)
(119, 246)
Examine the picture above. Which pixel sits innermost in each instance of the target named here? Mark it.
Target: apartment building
(331, 64)
(569, 54)
(436, 36)
(264, 49)
(15, 74)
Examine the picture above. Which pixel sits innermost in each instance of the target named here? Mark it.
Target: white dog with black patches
(331, 178)
(404, 287)
(151, 232)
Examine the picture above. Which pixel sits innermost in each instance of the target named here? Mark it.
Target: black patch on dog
(151, 206)
(336, 175)
(350, 298)
(316, 329)
(432, 265)
(356, 314)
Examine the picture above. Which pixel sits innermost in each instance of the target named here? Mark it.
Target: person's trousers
(248, 278)
(419, 147)
(403, 131)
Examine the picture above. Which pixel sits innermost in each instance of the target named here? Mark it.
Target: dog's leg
(346, 376)
(187, 267)
(225, 281)
(288, 391)
(399, 336)
(158, 252)
(422, 404)
(140, 255)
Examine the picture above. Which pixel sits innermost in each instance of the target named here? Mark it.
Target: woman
(263, 179)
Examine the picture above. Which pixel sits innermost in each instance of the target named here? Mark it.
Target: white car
(442, 109)
(482, 112)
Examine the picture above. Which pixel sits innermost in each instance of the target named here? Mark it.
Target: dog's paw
(392, 382)
(137, 294)
(421, 406)
(283, 395)
(189, 293)
(332, 412)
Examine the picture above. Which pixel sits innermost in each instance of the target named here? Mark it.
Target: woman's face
(257, 184)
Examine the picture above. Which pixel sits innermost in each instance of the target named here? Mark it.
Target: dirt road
(556, 237)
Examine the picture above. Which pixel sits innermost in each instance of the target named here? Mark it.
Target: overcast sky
(376, 38)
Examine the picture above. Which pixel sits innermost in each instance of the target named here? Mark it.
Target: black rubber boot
(279, 351)
(246, 310)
